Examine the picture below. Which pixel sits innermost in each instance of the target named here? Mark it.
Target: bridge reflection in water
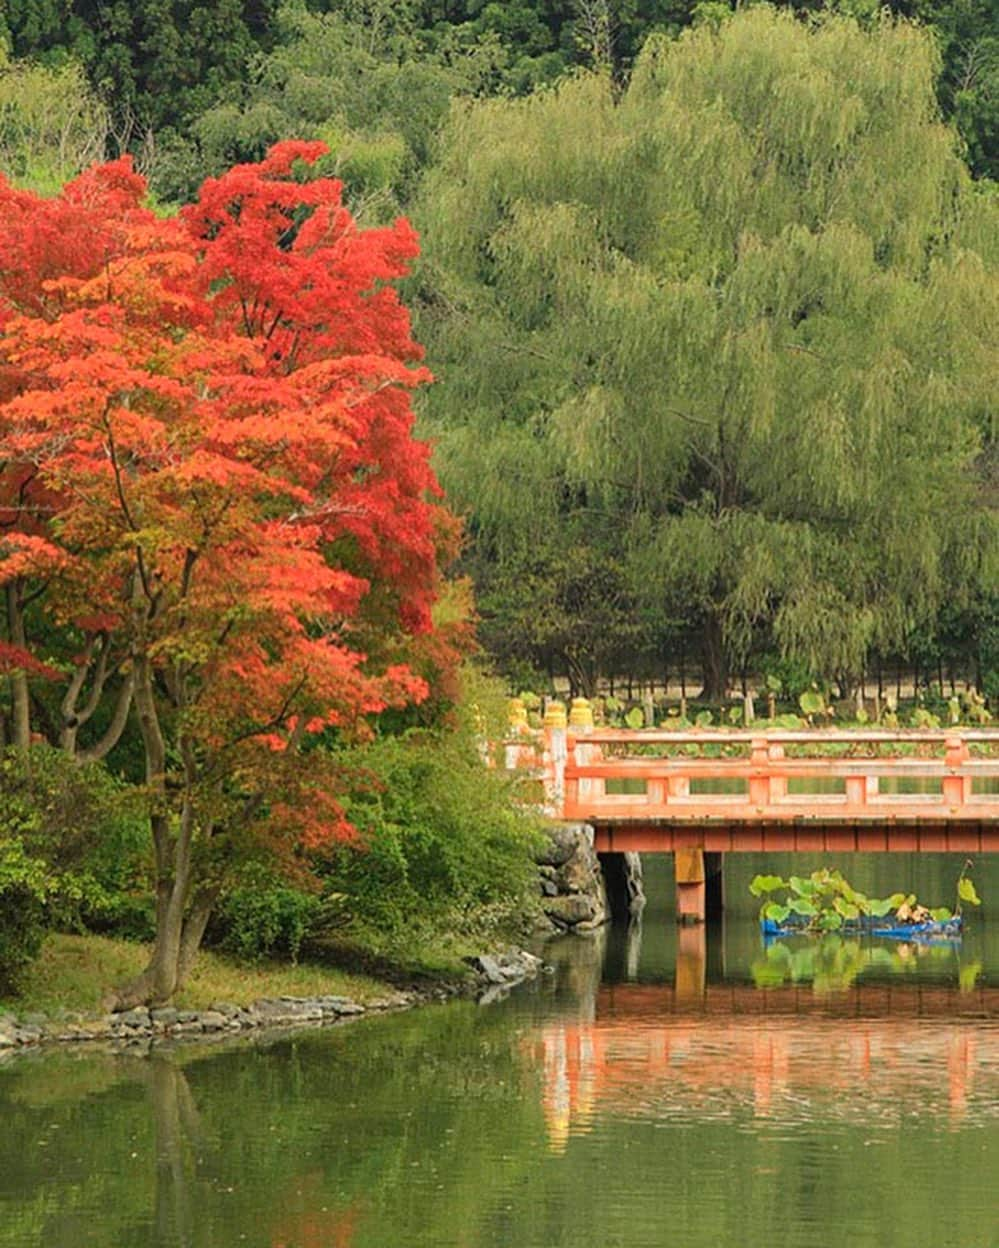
(645, 1055)
(846, 1037)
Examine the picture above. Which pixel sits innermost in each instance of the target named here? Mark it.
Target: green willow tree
(732, 328)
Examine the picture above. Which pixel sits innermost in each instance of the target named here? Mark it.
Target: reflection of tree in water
(178, 1138)
(186, 1157)
(305, 1222)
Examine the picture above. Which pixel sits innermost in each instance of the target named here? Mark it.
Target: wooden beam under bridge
(807, 835)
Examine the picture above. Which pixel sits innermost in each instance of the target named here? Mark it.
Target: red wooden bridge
(703, 793)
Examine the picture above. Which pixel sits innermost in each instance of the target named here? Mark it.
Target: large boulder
(623, 881)
(571, 882)
(561, 843)
(635, 883)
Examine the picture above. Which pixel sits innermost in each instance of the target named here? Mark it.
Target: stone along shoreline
(489, 974)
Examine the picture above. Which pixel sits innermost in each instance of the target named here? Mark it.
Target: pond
(654, 1089)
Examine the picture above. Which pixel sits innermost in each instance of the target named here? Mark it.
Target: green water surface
(646, 1092)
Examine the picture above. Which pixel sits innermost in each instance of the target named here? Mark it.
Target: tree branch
(114, 730)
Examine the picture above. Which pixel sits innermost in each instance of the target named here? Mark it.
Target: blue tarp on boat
(798, 925)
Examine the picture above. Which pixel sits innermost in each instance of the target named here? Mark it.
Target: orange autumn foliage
(207, 464)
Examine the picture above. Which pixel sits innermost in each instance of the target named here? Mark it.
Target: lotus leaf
(774, 910)
(766, 884)
(966, 891)
(846, 908)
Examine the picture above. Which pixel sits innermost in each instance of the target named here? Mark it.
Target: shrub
(88, 837)
(787, 678)
(24, 889)
(440, 831)
(117, 897)
(264, 918)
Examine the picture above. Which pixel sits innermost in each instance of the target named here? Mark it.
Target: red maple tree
(209, 479)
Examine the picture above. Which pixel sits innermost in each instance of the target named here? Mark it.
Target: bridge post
(691, 888)
(956, 789)
(778, 784)
(856, 790)
(514, 750)
(554, 757)
(581, 725)
(759, 775)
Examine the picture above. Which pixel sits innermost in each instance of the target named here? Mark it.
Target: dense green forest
(194, 85)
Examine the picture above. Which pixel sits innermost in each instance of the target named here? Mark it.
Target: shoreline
(145, 1030)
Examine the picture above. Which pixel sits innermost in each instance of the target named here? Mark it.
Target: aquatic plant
(826, 901)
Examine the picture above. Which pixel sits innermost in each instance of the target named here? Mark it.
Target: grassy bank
(73, 972)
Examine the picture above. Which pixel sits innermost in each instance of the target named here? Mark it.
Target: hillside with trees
(191, 87)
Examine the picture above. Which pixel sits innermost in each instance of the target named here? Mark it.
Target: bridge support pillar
(699, 892)
(622, 874)
(691, 891)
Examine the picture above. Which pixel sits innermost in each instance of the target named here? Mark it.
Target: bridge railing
(595, 775)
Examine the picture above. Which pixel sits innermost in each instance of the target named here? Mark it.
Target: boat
(868, 925)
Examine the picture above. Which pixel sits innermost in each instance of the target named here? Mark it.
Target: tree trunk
(158, 982)
(21, 719)
(582, 677)
(114, 729)
(178, 939)
(160, 979)
(194, 931)
(714, 661)
(683, 673)
(182, 914)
